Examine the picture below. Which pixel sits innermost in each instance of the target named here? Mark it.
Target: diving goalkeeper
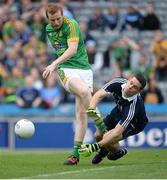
(127, 118)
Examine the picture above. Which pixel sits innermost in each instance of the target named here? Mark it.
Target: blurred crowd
(25, 51)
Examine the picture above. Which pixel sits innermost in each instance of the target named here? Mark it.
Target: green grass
(141, 164)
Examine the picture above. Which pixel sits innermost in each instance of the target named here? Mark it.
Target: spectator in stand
(2, 92)
(38, 84)
(112, 44)
(8, 28)
(26, 9)
(2, 21)
(10, 60)
(30, 57)
(28, 96)
(150, 20)
(36, 44)
(42, 61)
(21, 32)
(14, 80)
(132, 19)
(98, 22)
(158, 48)
(122, 54)
(3, 75)
(37, 25)
(143, 66)
(2, 51)
(86, 34)
(152, 95)
(95, 57)
(67, 9)
(22, 65)
(113, 18)
(51, 93)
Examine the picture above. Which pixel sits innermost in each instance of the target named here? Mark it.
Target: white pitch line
(79, 171)
(69, 172)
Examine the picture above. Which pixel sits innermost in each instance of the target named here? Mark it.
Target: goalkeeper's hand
(95, 115)
(92, 112)
(85, 150)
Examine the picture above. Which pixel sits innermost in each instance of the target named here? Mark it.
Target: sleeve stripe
(73, 31)
(73, 39)
(119, 80)
(130, 114)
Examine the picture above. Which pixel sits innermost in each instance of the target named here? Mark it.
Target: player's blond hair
(53, 8)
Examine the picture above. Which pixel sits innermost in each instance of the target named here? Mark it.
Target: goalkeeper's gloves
(87, 149)
(91, 112)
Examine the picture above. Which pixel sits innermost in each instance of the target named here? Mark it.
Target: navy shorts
(133, 128)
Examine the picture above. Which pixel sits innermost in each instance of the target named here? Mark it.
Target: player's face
(132, 87)
(56, 20)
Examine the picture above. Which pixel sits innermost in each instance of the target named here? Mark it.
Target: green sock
(77, 145)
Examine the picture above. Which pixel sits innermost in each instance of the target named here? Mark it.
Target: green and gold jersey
(59, 38)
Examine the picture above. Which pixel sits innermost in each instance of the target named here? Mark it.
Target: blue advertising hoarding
(60, 135)
(154, 136)
(53, 135)
(4, 134)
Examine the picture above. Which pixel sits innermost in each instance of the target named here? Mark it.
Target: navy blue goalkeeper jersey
(130, 110)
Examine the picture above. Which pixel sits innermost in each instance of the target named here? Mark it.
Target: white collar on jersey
(128, 98)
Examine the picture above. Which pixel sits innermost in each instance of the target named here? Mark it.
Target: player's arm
(93, 112)
(71, 51)
(98, 96)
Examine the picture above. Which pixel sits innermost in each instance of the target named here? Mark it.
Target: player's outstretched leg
(100, 155)
(114, 156)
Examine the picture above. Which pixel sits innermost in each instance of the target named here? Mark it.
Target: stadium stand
(82, 10)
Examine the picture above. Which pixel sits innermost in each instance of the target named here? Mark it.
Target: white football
(24, 128)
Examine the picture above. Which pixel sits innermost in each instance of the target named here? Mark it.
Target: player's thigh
(76, 80)
(87, 77)
(83, 83)
(78, 87)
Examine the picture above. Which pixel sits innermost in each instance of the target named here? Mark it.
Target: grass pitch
(141, 164)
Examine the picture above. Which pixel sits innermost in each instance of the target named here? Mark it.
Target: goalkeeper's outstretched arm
(97, 97)
(94, 113)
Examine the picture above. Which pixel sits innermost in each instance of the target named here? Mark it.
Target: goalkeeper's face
(56, 19)
(132, 87)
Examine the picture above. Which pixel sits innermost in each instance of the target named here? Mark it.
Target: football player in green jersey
(73, 68)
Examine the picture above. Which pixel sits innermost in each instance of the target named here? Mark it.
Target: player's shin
(77, 145)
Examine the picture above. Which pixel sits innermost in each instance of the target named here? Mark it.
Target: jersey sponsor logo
(57, 45)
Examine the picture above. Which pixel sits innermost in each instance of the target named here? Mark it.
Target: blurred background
(121, 37)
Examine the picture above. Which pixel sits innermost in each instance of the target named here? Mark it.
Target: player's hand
(48, 71)
(91, 112)
(85, 150)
